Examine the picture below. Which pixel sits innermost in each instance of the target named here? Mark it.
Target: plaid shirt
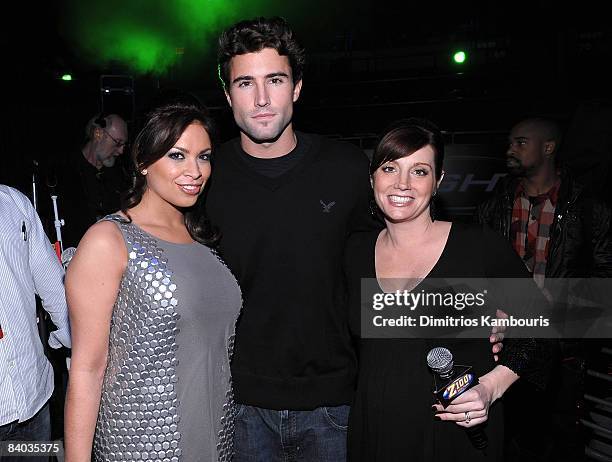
(532, 217)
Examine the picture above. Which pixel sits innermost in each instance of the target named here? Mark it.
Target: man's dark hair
(254, 35)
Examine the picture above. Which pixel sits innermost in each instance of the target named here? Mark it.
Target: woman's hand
(472, 407)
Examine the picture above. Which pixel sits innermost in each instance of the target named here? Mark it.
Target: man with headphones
(107, 136)
(90, 182)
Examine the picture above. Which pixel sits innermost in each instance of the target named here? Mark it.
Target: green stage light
(67, 77)
(460, 57)
(156, 37)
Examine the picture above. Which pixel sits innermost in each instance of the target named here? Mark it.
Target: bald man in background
(557, 225)
(560, 229)
(91, 178)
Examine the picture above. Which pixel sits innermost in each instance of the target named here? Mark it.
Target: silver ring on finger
(468, 419)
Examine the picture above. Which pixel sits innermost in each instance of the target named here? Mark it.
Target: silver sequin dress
(167, 393)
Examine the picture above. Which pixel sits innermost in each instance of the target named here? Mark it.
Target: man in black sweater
(285, 203)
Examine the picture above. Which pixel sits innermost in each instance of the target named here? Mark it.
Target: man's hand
(497, 335)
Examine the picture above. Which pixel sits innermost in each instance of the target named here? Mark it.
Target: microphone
(454, 382)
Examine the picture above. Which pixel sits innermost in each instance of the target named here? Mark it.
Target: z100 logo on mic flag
(458, 386)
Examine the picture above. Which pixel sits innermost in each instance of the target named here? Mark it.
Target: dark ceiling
(363, 54)
(369, 63)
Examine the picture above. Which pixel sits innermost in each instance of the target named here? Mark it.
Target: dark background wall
(369, 63)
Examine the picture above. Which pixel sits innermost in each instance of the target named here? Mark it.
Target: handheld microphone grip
(477, 436)
(455, 382)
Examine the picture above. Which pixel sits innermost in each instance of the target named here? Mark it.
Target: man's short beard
(519, 171)
(523, 172)
(109, 161)
(261, 140)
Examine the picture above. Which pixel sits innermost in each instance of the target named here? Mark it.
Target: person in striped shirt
(28, 267)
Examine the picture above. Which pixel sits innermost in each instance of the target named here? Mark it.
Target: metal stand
(58, 226)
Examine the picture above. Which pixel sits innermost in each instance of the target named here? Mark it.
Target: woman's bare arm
(92, 282)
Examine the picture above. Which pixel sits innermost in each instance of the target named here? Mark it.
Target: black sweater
(284, 239)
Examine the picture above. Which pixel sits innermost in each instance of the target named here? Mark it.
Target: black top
(283, 238)
(392, 416)
(86, 194)
(276, 166)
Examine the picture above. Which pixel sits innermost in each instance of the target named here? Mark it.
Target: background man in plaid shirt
(555, 223)
(561, 230)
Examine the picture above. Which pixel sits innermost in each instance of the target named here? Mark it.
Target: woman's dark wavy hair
(254, 35)
(405, 137)
(162, 129)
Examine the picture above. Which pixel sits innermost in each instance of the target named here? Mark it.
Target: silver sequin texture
(225, 446)
(139, 406)
(139, 409)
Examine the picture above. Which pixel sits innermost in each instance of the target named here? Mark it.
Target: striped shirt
(28, 266)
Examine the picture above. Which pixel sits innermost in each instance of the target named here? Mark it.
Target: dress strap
(116, 218)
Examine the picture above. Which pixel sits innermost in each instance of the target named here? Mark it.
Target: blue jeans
(264, 435)
(38, 428)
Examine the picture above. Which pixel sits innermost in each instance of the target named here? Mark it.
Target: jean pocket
(337, 416)
(240, 408)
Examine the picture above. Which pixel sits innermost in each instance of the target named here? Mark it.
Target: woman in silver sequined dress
(153, 311)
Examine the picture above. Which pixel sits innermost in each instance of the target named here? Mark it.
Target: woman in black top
(393, 417)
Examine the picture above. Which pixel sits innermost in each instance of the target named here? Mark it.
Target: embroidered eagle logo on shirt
(327, 207)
